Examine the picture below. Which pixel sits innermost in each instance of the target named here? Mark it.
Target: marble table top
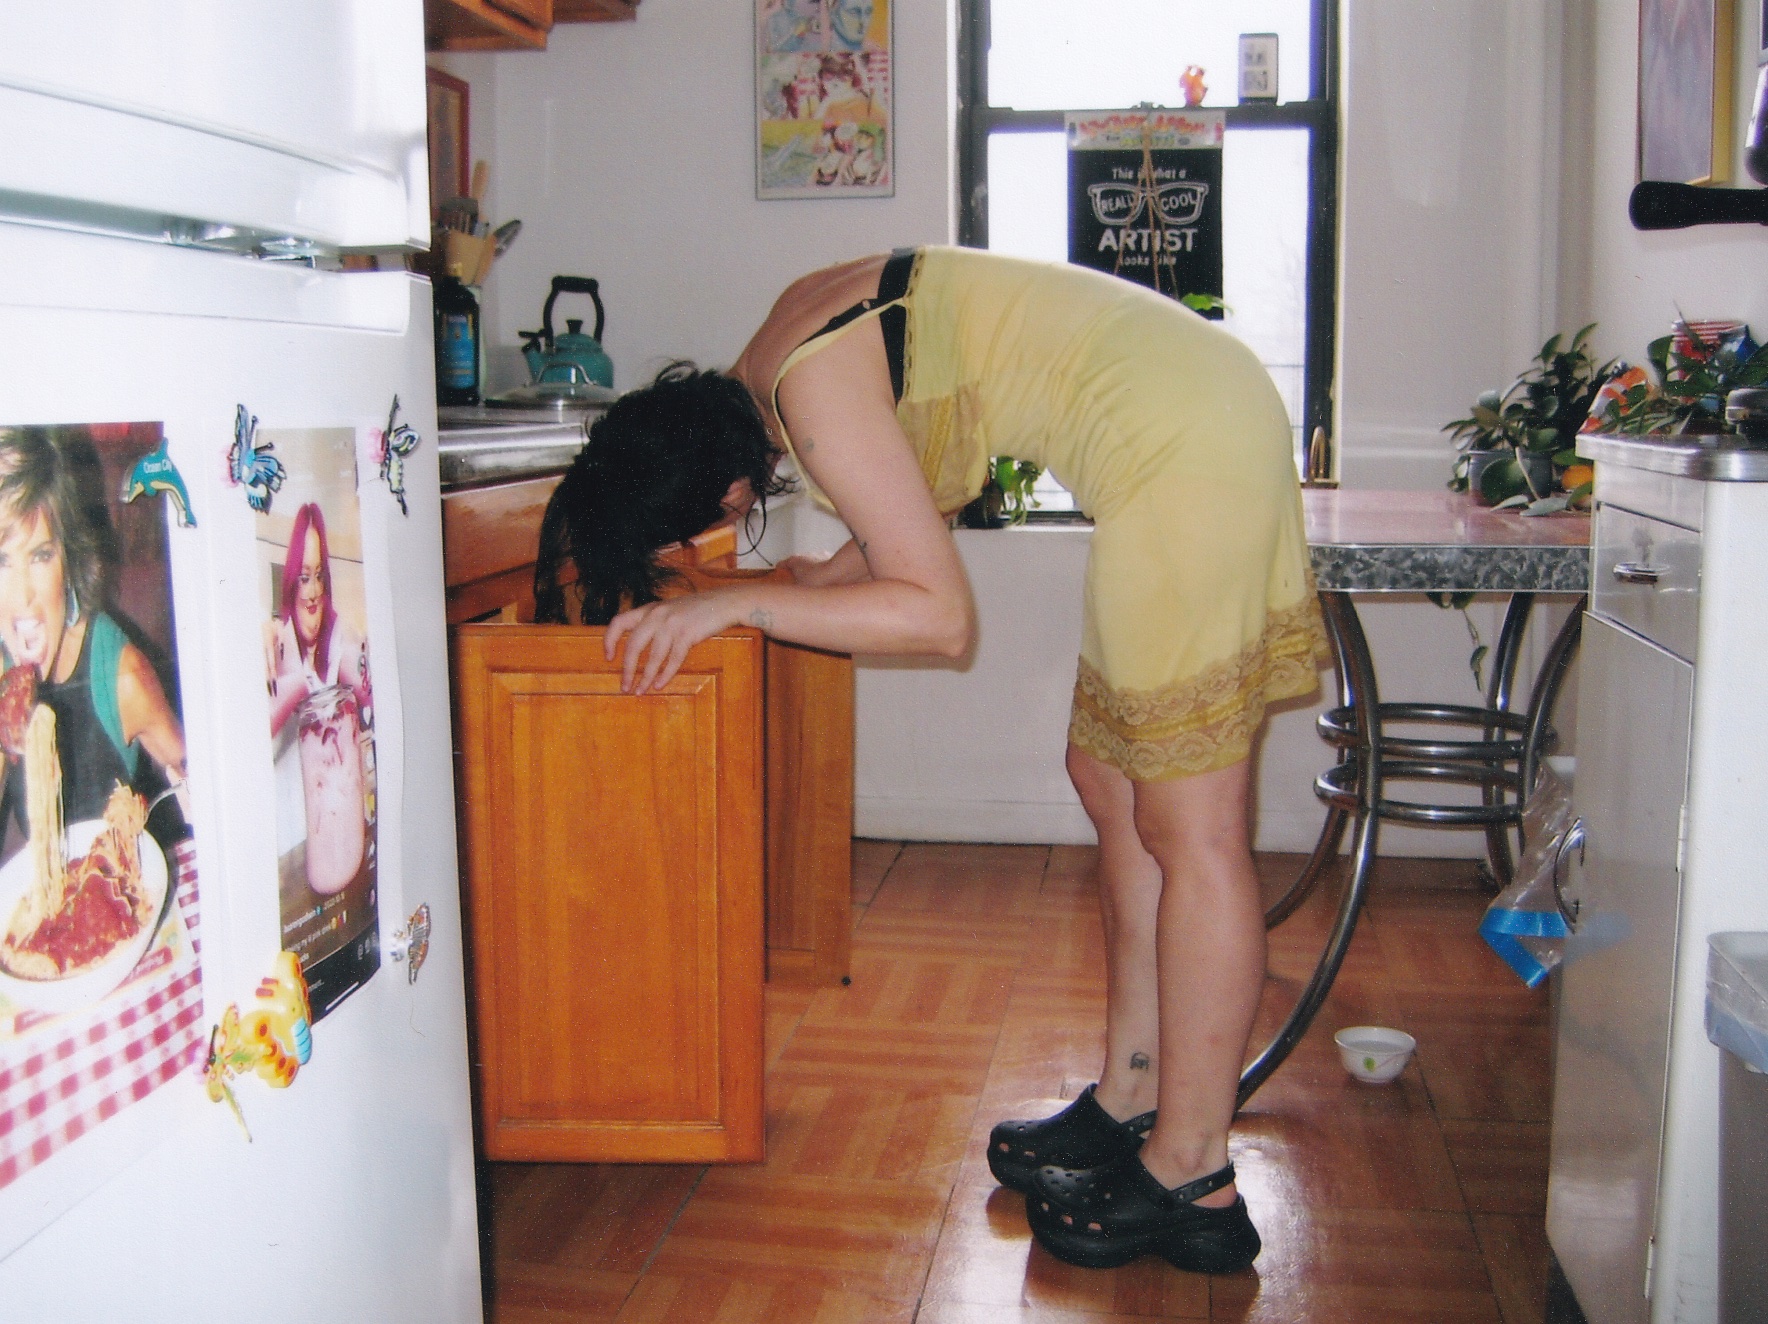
(1371, 541)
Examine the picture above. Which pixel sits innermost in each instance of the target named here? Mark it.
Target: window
(1023, 63)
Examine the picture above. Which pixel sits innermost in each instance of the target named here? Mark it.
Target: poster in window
(1145, 198)
(100, 984)
(321, 712)
(823, 109)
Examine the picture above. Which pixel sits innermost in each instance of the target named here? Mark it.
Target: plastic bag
(1524, 924)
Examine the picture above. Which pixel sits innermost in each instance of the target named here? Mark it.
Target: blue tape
(1503, 930)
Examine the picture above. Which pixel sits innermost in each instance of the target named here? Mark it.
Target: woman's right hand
(659, 635)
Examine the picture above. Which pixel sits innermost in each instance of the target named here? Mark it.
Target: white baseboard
(1027, 823)
(972, 820)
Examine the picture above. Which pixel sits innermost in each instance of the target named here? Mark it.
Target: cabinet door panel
(1615, 989)
(614, 871)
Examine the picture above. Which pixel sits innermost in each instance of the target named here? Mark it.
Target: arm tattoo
(761, 618)
(1139, 1062)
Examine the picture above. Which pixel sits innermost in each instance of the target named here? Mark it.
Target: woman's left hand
(659, 635)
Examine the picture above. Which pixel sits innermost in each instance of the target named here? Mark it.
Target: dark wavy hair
(36, 473)
(654, 471)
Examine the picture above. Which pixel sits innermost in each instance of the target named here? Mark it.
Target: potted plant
(1006, 497)
(1517, 443)
(1688, 396)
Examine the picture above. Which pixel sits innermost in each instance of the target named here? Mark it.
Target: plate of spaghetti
(79, 905)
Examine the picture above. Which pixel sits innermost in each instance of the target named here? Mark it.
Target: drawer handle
(1572, 841)
(1632, 572)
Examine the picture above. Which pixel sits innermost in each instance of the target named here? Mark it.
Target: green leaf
(1476, 664)
(1566, 458)
(1513, 503)
(1581, 491)
(1548, 505)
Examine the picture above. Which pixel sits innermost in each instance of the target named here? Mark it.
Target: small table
(1368, 541)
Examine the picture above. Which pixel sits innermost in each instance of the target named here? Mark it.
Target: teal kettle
(573, 356)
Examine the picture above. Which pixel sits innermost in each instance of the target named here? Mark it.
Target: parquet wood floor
(977, 995)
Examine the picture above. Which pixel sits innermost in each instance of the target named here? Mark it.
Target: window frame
(1319, 114)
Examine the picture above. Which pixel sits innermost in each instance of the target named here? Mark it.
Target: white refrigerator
(178, 182)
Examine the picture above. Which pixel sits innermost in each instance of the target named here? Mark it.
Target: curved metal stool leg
(1548, 682)
(1356, 672)
(1504, 661)
(1332, 829)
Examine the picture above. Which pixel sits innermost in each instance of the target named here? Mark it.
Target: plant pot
(1477, 464)
(985, 511)
(1537, 466)
(1496, 476)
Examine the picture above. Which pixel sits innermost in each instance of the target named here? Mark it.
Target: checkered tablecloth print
(97, 1062)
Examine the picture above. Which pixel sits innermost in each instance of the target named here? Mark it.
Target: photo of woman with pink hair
(311, 647)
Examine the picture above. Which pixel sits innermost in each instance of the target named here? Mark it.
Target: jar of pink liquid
(331, 782)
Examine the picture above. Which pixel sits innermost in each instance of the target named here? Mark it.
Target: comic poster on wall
(321, 712)
(823, 113)
(1145, 198)
(100, 983)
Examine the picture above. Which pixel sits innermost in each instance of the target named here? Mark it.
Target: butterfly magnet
(411, 944)
(250, 464)
(394, 444)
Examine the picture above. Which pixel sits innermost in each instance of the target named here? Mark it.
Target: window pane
(1265, 253)
(1028, 195)
(1055, 55)
(1264, 243)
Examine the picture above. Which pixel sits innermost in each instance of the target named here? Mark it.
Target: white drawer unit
(1645, 575)
(1672, 795)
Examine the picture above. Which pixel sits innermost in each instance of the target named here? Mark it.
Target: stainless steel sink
(474, 450)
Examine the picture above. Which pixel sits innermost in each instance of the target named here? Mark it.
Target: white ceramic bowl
(1373, 1053)
(76, 991)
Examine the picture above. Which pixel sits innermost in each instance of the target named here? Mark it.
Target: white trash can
(1737, 1021)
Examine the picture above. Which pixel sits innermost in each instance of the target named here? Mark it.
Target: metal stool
(1502, 760)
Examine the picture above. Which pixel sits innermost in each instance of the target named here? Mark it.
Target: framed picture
(447, 97)
(824, 119)
(1685, 50)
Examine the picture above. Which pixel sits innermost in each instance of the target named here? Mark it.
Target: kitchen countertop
(1372, 541)
(1716, 459)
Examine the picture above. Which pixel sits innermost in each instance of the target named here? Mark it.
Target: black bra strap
(893, 283)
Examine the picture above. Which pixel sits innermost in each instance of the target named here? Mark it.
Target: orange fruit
(1576, 475)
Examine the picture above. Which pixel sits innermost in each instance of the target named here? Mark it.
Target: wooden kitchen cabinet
(489, 537)
(594, 11)
(491, 25)
(614, 850)
(479, 25)
(808, 716)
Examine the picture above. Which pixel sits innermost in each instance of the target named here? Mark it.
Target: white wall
(1633, 283)
(1446, 284)
(627, 149)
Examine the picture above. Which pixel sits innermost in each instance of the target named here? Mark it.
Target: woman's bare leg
(1129, 903)
(1210, 950)
(1185, 956)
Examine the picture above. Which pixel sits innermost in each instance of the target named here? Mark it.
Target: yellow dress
(1200, 606)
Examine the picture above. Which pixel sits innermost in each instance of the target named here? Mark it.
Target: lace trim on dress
(1208, 721)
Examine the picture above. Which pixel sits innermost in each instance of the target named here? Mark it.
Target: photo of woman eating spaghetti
(91, 742)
